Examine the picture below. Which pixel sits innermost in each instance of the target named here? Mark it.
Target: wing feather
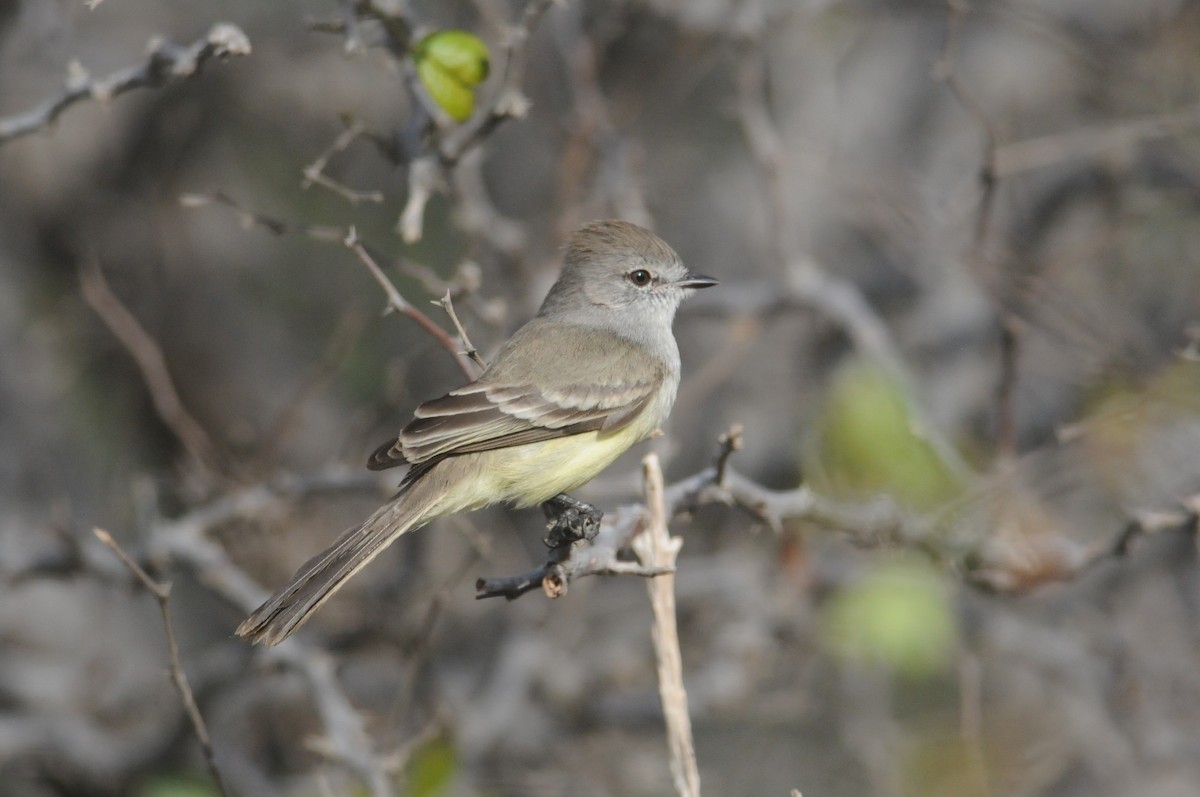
(497, 411)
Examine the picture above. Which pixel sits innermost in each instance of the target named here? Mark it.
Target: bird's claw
(570, 521)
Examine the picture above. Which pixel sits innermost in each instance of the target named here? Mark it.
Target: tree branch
(162, 594)
(153, 367)
(165, 63)
(656, 547)
(397, 302)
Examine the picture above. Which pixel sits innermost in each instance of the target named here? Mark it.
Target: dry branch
(656, 547)
(152, 364)
(185, 541)
(472, 353)
(396, 302)
(166, 63)
(162, 594)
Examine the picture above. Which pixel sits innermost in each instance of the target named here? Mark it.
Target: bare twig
(1092, 141)
(349, 239)
(162, 594)
(397, 302)
(251, 219)
(151, 363)
(314, 173)
(447, 304)
(166, 63)
(730, 441)
(185, 541)
(424, 177)
(945, 70)
(655, 547)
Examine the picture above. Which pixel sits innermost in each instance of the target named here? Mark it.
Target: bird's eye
(641, 277)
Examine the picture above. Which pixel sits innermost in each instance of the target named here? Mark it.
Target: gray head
(614, 269)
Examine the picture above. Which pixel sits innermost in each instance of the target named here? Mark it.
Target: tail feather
(323, 575)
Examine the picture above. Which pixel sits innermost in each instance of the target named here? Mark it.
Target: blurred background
(959, 253)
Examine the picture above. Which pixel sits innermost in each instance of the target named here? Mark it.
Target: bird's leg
(570, 520)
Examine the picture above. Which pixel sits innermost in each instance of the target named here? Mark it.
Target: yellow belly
(531, 474)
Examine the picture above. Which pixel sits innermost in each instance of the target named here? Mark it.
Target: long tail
(323, 575)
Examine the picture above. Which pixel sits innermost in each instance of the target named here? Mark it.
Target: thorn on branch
(447, 304)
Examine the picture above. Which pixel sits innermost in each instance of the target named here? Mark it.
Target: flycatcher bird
(593, 373)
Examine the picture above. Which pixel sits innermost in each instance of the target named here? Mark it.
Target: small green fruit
(451, 63)
(451, 96)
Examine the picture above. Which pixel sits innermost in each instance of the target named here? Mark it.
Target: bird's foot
(570, 520)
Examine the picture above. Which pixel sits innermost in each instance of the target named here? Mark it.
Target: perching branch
(165, 63)
(871, 523)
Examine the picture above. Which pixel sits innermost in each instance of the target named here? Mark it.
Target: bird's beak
(696, 281)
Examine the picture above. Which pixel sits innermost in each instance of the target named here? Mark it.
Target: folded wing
(482, 417)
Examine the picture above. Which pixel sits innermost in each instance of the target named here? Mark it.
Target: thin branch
(151, 363)
(162, 594)
(397, 302)
(185, 541)
(349, 239)
(447, 304)
(730, 441)
(165, 63)
(869, 524)
(945, 71)
(656, 547)
(1092, 141)
(253, 219)
(569, 561)
(314, 173)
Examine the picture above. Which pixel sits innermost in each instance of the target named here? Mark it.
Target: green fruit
(451, 96)
(898, 616)
(463, 55)
(869, 443)
(451, 63)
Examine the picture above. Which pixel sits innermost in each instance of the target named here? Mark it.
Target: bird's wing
(502, 408)
(483, 416)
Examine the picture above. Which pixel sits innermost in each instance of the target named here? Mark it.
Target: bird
(595, 371)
